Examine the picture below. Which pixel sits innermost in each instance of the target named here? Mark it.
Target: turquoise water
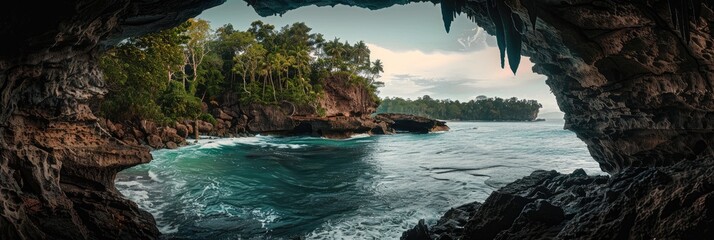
(361, 188)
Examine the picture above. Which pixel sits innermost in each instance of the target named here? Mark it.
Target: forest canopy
(480, 109)
(165, 76)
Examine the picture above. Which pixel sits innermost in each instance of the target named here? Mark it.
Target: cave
(634, 78)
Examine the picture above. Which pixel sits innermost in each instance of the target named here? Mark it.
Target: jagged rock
(412, 123)
(451, 225)
(672, 202)
(419, 232)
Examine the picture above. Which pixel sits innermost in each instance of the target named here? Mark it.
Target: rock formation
(57, 163)
(638, 203)
(411, 123)
(636, 91)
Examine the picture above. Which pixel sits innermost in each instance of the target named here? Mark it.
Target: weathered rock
(269, 118)
(419, 232)
(672, 202)
(220, 114)
(182, 130)
(171, 145)
(169, 134)
(204, 127)
(148, 127)
(412, 123)
(451, 225)
(343, 98)
(333, 127)
(155, 141)
(381, 128)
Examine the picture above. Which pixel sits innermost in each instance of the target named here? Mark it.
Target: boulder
(171, 145)
(182, 130)
(204, 127)
(170, 135)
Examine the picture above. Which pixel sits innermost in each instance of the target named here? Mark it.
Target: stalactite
(449, 10)
(494, 14)
(683, 12)
(509, 26)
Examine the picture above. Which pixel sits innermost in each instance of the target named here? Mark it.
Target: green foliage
(482, 108)
(177, 104)
(207, 118)
(137, 72)
(166, 75)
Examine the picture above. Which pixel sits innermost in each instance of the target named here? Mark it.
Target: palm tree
(377, 68)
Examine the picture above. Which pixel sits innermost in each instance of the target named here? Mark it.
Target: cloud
(458, 75)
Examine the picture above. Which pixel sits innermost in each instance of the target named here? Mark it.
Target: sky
(419, 57)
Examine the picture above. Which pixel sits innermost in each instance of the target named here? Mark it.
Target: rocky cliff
(342, 110)
(633, 87)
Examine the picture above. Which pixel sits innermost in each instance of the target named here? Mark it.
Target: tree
(198, 32)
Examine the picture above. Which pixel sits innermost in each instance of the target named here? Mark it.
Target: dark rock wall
(57, 164)
(631, 88)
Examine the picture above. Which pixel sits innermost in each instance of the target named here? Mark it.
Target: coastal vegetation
(481, 108)
(168, 75)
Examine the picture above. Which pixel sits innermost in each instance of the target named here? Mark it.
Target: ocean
(365, 187)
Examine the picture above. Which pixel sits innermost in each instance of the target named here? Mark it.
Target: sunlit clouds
(458, 75)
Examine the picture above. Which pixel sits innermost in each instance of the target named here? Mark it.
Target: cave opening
(422, 62)
(634, 79)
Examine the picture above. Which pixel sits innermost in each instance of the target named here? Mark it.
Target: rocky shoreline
(347, 111)
(148, 133)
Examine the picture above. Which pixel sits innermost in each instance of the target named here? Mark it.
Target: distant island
(480, 109)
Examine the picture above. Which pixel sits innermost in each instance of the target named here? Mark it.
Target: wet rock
(451, 225)
(640, 203)
(419, 232)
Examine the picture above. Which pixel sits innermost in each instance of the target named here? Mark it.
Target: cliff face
(341, 111)
(631, 88)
